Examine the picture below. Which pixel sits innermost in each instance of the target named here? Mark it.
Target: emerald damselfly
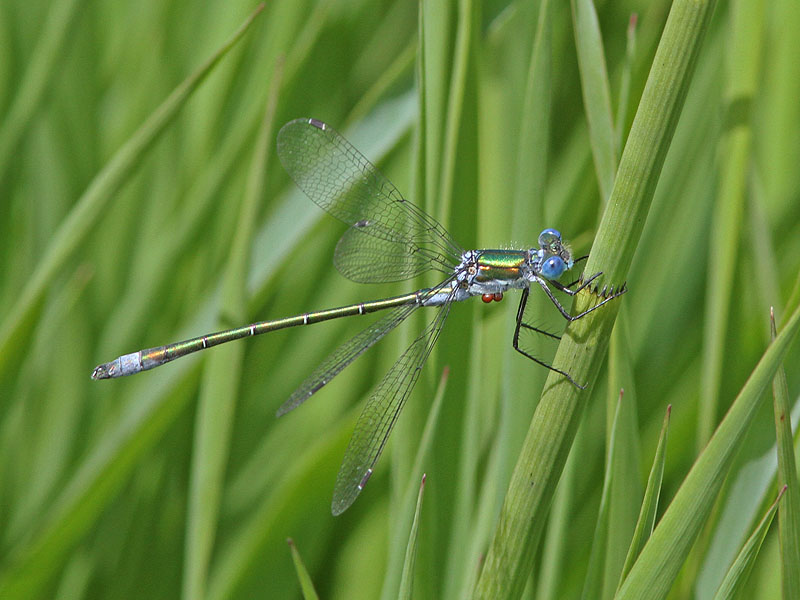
(389, 239)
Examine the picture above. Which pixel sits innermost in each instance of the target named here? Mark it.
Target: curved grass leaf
(736, 578)
(647, 515)
(555, 560)
(397, 570)
(407, 580)
(593, 584)
(596, 92)
(626, 485)
(625, 83)
(789, 515)
(306, 585)
(460, 103)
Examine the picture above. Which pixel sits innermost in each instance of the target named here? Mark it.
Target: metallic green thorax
(500, 265)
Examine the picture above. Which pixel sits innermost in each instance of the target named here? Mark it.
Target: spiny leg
(564, 312)
(542, 331)
(515, 341)
(566, 290)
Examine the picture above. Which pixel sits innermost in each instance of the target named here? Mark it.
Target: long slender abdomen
(143, 360)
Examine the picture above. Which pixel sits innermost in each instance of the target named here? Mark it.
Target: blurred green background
(181, 481)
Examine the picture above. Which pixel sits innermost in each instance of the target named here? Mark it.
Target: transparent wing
(341, 181)
(367, 259)
(344, 355)
(380, 414)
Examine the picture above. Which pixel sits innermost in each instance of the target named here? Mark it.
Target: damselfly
(389, 239)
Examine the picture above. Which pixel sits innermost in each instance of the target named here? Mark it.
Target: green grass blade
(287, 502)
(779, 92)
(794, 299)
(407, 580)
(625, 83)
(649, 139)
(596, 92)
(734, 583)
(743, 68)
(594, 576)
(434, 64)
(306, 585)
(555, 560)
(626, 493)
(77, 576)
(419, 171)
(396, 571)
(302, 43)
(647, 515)
(534, 129)
(511, 553)
(49, 444)
(389, 78)
(90, 206)
(463, 69)
(789, 515)
(660, 560)
(39, 73)
(221, 377)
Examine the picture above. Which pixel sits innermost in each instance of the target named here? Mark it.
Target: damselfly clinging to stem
(389, 239)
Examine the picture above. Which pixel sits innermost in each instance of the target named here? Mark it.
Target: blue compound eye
(553, 267)
(548, 236)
